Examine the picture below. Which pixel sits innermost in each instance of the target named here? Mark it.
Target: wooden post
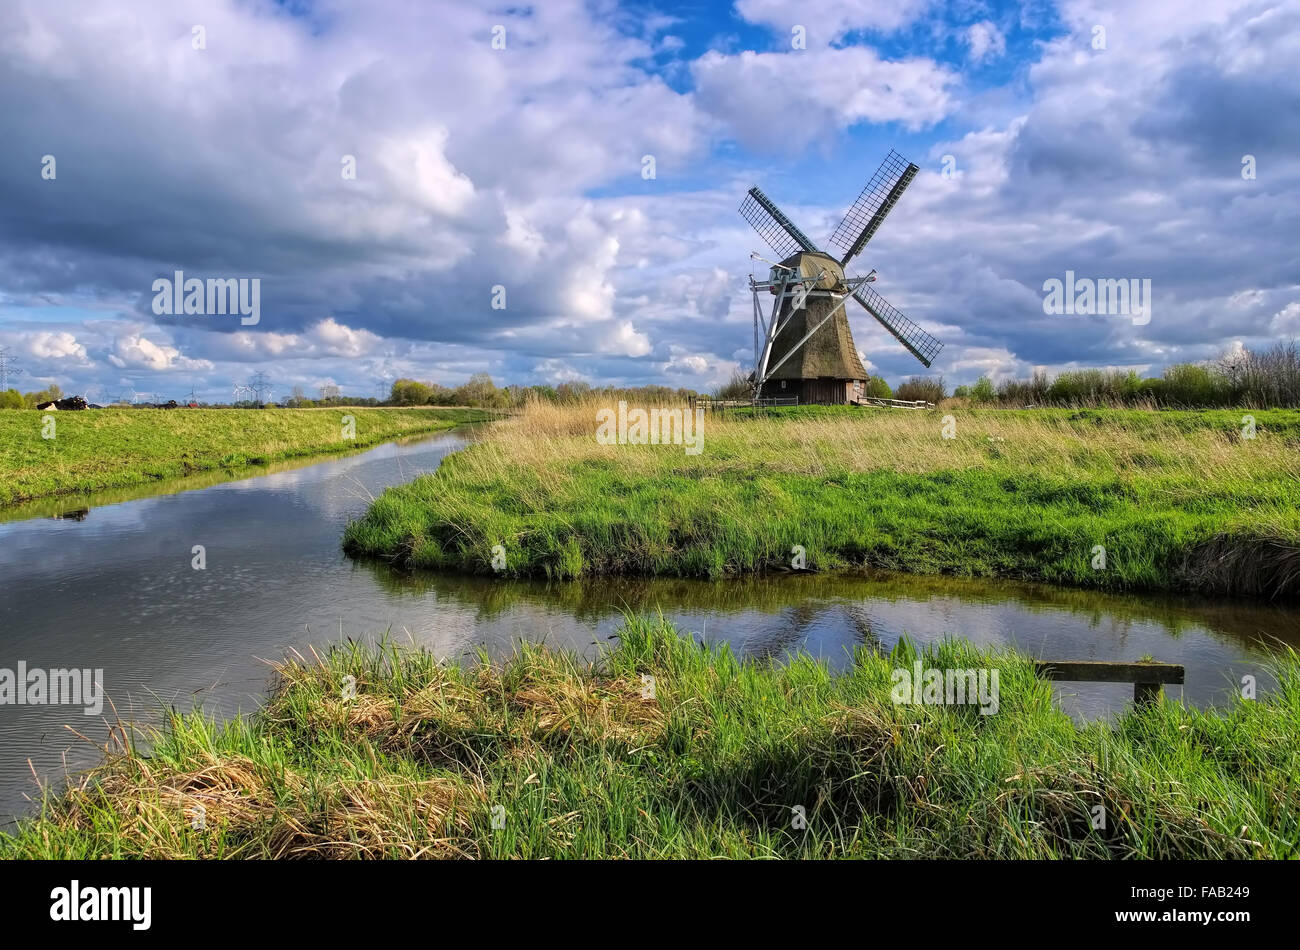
(1146, 693)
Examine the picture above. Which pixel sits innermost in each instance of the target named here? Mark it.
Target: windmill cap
(812, 263)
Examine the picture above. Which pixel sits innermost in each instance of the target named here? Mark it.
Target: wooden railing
(1146, 678)
(721, 405)
(895, 403)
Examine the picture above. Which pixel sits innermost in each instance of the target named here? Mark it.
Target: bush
(738, 387)
(409, 392)
(983, 390)
(877, 388)
(927, 388)
(1190, 385)
(1025, 392)
(1264, 380)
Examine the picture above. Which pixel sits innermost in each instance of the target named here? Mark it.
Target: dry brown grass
(1266, 563)
(155, 809)
(555, 440)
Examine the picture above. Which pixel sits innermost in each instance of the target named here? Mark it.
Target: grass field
(548, 756)
(1178, 500)
(113, 448)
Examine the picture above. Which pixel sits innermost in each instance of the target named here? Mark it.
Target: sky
(582, 165)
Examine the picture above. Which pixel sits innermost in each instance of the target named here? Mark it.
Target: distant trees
(572, 390)
(13, 399)
(927, 388)
(1025, 392)
(1186, 384)
(480, 391)
(981, 391)
(410, 392)
(738, 387)
(1269, 378)
(877, 388)
(1244, 378)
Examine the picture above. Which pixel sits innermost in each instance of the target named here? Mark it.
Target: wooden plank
(1101, 671)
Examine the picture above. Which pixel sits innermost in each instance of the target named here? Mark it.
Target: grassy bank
(112, 448)
(579, 760)
(1178, 500)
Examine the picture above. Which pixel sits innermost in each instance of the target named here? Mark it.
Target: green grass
(1179, 500)
(114, 448)
(576, 760)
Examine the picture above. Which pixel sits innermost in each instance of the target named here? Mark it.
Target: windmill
(805, 349)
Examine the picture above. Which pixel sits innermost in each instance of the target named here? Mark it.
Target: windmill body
(804, 352)
(826, 368)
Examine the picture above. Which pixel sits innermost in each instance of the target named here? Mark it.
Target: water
(107, 582)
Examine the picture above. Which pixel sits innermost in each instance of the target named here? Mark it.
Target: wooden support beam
(1145, 677)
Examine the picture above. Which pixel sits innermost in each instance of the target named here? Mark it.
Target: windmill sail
(773, 226)
(919, 343)
(876, 200)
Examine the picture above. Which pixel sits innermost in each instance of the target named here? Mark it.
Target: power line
(260, 384)
(7, 367)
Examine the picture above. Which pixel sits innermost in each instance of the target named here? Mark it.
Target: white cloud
(985, 40)
(417, 165)
(135, 351)
(787, 100)
(331, 338)
(58, 345)
(1286, 321)
(625, 340)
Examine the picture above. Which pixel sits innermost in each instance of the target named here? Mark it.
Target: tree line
(1266, 379)
(481, 392)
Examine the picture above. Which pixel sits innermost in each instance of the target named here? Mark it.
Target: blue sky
(522, 168)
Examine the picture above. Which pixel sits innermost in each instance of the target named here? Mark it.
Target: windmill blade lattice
(877, 199)
(919, 343)
(773, 226)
